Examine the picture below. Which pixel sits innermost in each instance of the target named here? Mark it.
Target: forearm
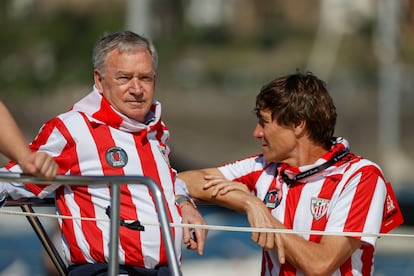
(303, 255)
(12, 141)
(195, 181)
(318, 258)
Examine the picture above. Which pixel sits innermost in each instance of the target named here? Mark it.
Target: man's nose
(136, 86)
(258, 131)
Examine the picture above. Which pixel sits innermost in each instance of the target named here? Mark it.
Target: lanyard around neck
(337, 157)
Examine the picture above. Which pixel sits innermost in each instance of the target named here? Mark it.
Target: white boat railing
(115, 182)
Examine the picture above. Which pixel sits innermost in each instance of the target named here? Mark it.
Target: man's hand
(39, 164)
(257, 213)
(222, 186)
(259, 217)
(193, 238)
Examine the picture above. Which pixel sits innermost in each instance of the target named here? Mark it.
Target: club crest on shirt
(116, 157)
(272, 199)
(164, 154)
(318, 207)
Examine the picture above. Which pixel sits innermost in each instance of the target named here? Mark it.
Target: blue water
(25, 249)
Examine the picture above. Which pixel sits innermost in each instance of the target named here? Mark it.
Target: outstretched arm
(14, 146)
(12, 142)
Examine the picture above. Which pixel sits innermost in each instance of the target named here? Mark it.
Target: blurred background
(214, 57)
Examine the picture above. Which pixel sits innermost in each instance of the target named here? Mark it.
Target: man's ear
(98, 80)
(300, 128)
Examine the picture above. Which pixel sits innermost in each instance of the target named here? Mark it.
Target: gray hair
(123, 41)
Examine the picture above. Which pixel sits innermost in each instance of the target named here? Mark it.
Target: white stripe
(85, 151)
(265, 180)
(374, 217)
(167, 185)
(303, 218)
(80, 238)
(141, 196)
(54, 149)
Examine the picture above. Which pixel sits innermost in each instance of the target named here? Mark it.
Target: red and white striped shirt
(348, 196)
(94, 139)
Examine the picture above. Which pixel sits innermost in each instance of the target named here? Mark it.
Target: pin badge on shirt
(164, 154)
(116, 157)
(272, 199)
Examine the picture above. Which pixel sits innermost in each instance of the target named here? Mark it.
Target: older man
(115, 130)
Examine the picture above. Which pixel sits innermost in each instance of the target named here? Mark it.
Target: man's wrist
(180, 199)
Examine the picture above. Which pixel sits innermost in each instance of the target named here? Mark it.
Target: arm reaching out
(14, 146)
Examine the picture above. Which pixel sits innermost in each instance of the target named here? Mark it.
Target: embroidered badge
(272, 199)
(116, 157)
(390, 204)
(318, 207)
(164, 154)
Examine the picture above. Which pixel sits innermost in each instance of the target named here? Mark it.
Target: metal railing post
(114, 231)
(115, 181)
(45, 240)
(165, 228)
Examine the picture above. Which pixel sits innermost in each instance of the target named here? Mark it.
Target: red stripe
(107, 114)
(327, 192)
(91, 231)
(292, 201)
(358, 213)
(65, 164)
(287, 269)
(149, 169)
(130, 240)
(328, 188)
(367, 259)
(76, 254)
(161, 130)
(67, 160)
(266, 260)
(346, 267)
(39, 141)
(250, 180)
(362, 201)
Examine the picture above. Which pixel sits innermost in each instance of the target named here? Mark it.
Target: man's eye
(122, 79)
(147, 78)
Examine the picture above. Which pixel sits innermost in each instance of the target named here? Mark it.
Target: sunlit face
(278, 142)
(128, 82)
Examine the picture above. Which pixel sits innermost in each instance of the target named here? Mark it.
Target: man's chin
(138, 114)
(270, 158)
(137, 117)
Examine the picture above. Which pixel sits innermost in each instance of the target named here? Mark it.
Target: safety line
(220, 227)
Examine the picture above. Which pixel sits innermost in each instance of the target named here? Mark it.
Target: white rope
(220, 227)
